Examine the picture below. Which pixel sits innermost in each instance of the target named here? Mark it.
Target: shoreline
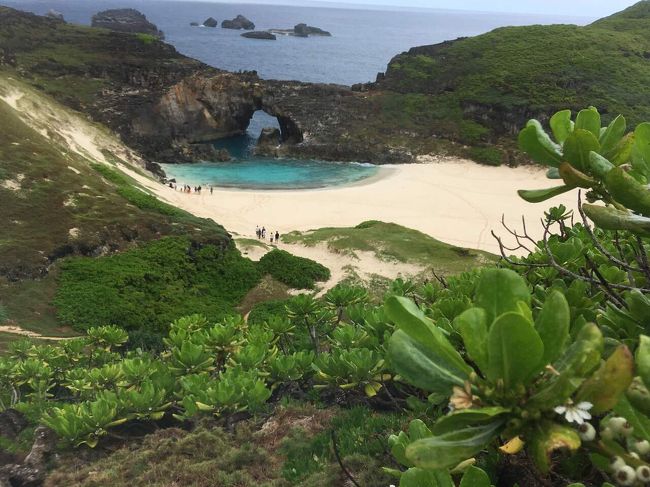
(455, 201)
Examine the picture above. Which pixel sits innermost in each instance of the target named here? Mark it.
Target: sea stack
(238, 23)
(259, 34)
(126, 20)
(210, 22)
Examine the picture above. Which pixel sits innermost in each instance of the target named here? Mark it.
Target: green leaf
(466, 418)
(577, 148)
(417, 477)
(410, 319)
(643, 359)
(552, 324)
(589, 120)
(613, 135)
(473, 328)
(541, 195)
(609, 218)
(499, 291)
(561, 125)
(421, 366)
(606, 386)
(642, 140)
(448, 450)
(515, 350)
(627, 190)
(539, 146)
(598, 165)
(549, 437)
(639, 422)
(475, 477)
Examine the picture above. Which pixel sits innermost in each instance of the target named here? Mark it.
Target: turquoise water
(251, 172)
(260, 173)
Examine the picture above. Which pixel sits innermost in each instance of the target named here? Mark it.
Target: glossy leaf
(588, 119)
(561, 125)
(609, 218)
(499, 291)
(642, 357)
(552, 325)
(541, 195)
(448, 450)
(473, 327)
(423, 367)
(606, 386)
(538, 145)
(417, 477)
(577, 148)
(475, 477)
(515, 350)
(613, 135)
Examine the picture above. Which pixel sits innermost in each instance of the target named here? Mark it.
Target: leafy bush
(296, 272)
(486, 155)
(265, 311)
(149, 287)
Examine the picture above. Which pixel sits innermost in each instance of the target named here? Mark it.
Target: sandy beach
(455, 201)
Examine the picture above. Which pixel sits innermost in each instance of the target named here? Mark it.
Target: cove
(247, 171)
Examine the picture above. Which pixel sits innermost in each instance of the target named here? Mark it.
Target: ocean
(363, 40)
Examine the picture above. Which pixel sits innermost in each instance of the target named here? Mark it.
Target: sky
(579, 8)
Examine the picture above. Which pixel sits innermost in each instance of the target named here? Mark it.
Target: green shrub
(264, 311)
(150, 286)
(486, 155)
(297, 272)
(146, 38)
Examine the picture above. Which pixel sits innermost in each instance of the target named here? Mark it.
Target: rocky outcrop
(260, 34)
(304, 30)
(301, 30)
(55, 14)
(238, 23)
(126, 20)
(268, 141)
(194, 24)
(210, 22)
(32, 470)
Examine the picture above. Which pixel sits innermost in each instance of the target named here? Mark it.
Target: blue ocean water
(363, 42)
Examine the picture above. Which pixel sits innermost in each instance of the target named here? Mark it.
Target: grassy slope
(46, 191)
(483, 88)
(389, 241)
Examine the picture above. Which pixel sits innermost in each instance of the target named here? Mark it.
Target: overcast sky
(583, 8)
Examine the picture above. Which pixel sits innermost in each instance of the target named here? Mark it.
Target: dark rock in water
(268, 141)
(260, 34)
(239, 22)
(194, 24)
(55, 14)
(210, 22)
(126, 20)
(304, 30)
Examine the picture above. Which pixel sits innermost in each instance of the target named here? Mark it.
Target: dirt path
(17, 330)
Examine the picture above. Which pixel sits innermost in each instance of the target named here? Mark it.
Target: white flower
(575, 413)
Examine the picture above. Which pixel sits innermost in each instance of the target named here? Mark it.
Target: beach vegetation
(296, 272)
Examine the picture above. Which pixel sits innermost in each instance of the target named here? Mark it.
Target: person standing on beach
(277, 237)
(211, 189)
(263, 232)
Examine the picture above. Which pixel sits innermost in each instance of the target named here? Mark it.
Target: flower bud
(625, 475)
(643, 473)
(616, 424)
(617, 464)
(643, 447)
(607, 433)
(587, 432)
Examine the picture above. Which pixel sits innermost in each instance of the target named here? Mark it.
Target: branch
(338, 459)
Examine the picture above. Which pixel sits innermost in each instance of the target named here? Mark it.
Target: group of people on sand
(186, 188)
(261, 234)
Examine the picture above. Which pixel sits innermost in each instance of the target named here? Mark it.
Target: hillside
(61, 196)
(484, 88)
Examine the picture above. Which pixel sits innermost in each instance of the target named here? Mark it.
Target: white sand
(455, 201)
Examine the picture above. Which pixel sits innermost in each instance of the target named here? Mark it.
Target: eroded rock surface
(260, 34)
(126, 20)
(238, 23)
